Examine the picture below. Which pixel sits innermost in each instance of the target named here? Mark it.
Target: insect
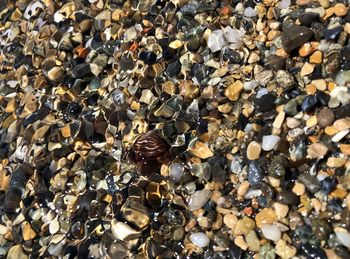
(149, 152)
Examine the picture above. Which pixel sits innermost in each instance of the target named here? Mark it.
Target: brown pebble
(253, 150)
(342, 124)
(325, 117)
(316, 57)
(317, 150)
(345, 149)
(266, 216)
(340, 9)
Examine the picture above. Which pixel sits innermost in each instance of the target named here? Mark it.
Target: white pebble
(216, 40)
(284, 4)
(250, 85)
(340, 135)
(344, 238)
(261, 92)
(233, 35)
(198, 199)
(269, 142)
(250, 12)
(236, 165)
(271, 232)
(200, 239)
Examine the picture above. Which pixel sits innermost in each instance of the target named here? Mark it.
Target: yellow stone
(310, 89)
(27, 231)
(298, 188)
(336, 161)
(305, 49)
(279, 120)
(307, 69)
(345, 149)
(253, 150)
(339, 193)
(244, 225)
(281, 210)
(330, 131)
(266, 216)
(201, 150)
(312, 121)
(230, 220)
(340, 9)
(284, 250)
(233, 91)
(239, 241)
(316, 57)
(320, 84)
(176, 44)
(342, 124)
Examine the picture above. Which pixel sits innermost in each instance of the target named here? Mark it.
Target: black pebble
(328, 185)
(173, 68)
(148, 57)
(312, 252)
(309, 103)
(332, 34)
(287, 197)
(265, 103)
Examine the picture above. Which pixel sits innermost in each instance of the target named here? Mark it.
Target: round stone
(200, 239)
(253, 150)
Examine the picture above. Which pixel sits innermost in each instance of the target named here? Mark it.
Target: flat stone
(295, 36)
(198, 199)
(342, 124)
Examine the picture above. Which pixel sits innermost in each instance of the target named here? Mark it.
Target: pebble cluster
(174, 129)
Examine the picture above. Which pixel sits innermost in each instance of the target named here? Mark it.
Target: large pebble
(344, 238)
(198, 199)
(216, 40)
(294, 36)
(269, 142)
(200, 239)
(271, 232)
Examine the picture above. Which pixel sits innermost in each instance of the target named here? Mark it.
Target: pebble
(287, 197)
(264, 77)
(285, 79)
(340, 9)
(244, 226)
(310, 182)
(342, 124)
(317, 150)
(271, 232)
(201, 150)
(236, 165)
(307, 69)
(344, 238)
(280, 209)
(340, 135)
(265, 216)
(252, 241)
(200, 239)
(230, 220)
(284, 250)
(295, 36)
(253, 150)
(122, 231)
(250, 12)
(176, 171)
(325, 117)
(316, 57)
(216, 40)
(269, 142)
(198, 199)
(233, 91)
(255, 173)
(298, 188)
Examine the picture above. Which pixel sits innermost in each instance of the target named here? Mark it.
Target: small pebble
(269, 142)
(200, 239)
(271, 232)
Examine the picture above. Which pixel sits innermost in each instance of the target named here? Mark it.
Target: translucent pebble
(200, 239)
